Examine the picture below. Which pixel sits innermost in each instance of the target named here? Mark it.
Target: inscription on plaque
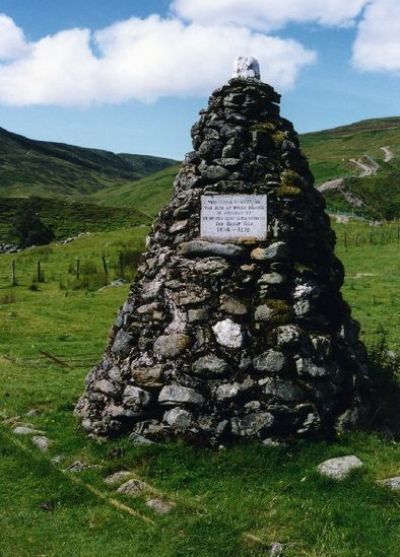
(233, 217)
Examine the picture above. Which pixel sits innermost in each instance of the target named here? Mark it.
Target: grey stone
(228, 333)
(284, 390)
(232, 305)
(133, 488)
(175, 394)
(202, 248)
(160, 506)
(272, 278)
(140, 440)
(288, 335)
(210, 365)
(118, 477)
(215, 173)
(253, 424)
(178, 418)
(170, 346)
(212, 266)
(135, 398)
(270, 361)
(263, 313)
(122, 342)
(302, 308)
(305, 366)
(391, 483)
(41, 442)
(197, 315)
(227, 391)
(25, 430)
(105, 387)
(78, 466)
(339, 468)
(178, 226)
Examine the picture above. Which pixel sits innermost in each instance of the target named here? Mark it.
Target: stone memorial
(235, 326)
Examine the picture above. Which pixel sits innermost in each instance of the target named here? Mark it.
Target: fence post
(13, 274)
(78, 268)
(103, 258)
(345, 239)
(39, 272)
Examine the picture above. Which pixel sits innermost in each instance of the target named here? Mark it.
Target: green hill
(29, 167)
(148, 194)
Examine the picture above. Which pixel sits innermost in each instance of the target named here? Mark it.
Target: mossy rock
(282, 312)
(290, 178)
(288, 191)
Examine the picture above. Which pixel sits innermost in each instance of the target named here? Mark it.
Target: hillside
(30, 167)
(149, 194)
(69, 218)
(365, 156)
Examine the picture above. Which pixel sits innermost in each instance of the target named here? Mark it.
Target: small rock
(160, 506)
(170, 346)
(228, 333)
(276, 550)
(232, 305)
(391, 483)
(105, 387)
(122, 342)
(340, 467)
(117, 477)
(284, 390)
(135, 398)
(197, 315)
(178, 418)
(139, 440)
(270, 361)
(24, 430)
(148, 376)
(41, 442)
(133, 487)
(288, 335)
(201, 248)
(252, 424)
(210, 365)
(175, 394)
(305, 366)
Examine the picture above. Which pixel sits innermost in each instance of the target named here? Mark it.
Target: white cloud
(269, 14)
(142, 59)
(12, 40)
(377, 46)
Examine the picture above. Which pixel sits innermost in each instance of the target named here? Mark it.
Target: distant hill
(46, 169)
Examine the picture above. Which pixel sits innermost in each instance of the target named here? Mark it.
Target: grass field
(230, 503)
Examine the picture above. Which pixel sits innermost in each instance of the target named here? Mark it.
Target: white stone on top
(246, 67)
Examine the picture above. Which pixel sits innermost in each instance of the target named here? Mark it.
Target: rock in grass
(117, 477)
(391, 483)
(133, 487)
(160, 506)
(25, 430)
(339, 468)
(41, 442)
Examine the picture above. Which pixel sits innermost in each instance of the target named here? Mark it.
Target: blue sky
(334, 61)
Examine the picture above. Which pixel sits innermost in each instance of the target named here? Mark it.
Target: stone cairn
(227, 340)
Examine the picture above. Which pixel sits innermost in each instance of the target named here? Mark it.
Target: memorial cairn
(235, 326)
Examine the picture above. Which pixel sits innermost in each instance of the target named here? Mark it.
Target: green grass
(228, 503)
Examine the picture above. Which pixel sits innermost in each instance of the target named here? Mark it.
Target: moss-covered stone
(288, 191)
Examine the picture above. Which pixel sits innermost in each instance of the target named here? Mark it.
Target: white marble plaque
(233, 217)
